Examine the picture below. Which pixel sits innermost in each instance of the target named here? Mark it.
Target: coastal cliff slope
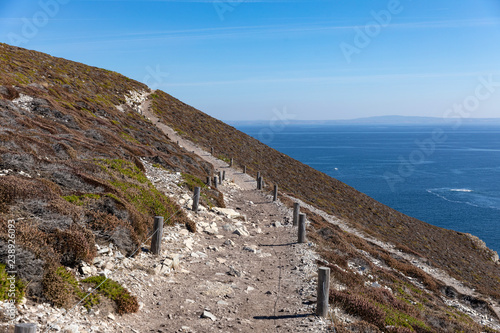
(74, 142)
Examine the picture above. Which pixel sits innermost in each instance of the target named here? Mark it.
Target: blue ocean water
(448, 177)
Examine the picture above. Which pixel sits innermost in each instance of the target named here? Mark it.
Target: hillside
(74, 144)
(71, 175)
(457, 253)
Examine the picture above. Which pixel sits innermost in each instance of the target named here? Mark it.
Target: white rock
(211, 231)
(250, 248)
(201, 254)
(189, 243)
(229, 227)
(103, 250)
(242, 231)
(106, 273)
(168, 262)
(209, 315)
(175, 261)
(228, 212)
(87, 270)
(119, 255)
(109, 265)
(165, 270)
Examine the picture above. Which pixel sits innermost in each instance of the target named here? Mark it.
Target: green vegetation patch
(5, 286)
(147, 200)
(192, 181)
(80, 200)
(129, 138)
(398, 318)
(125, 168)
(63, 289)
(133, 186)
(125, 303)
(208, 197)
(223, 158)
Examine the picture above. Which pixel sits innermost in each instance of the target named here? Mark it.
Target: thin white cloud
(333, 79)
(266, 30)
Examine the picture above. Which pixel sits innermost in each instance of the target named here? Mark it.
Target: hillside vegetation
(71, 171)
(71, 145)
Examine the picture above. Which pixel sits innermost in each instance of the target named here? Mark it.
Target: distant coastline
(380, 120)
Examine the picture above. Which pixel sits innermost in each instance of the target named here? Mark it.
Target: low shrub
(125, 303)
(74, 244)
(191, 226)
(62, 289)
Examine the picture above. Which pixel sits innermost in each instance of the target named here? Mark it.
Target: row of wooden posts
(299, 220)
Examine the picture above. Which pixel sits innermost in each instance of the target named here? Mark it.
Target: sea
(444, 175)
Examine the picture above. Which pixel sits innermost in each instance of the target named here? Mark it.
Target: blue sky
(316, 59)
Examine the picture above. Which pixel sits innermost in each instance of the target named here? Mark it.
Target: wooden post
(215, 182)
(212, 151)
(323, 291)
(156, 240)
(275, 192)
(231, 162)
(245, 169)
(258, 175)
(220, 177)
(296, 212)
(196, 199)
(209, 181)
(259, 183)
(302, 228)
(25, 328)
(224, 175)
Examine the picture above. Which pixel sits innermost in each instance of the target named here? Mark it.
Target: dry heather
(72, 175)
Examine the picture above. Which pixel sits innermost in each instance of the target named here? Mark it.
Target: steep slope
(462, 255)
(70, 138)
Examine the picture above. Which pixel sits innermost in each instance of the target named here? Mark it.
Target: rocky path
(244, 181)
(242, 272)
